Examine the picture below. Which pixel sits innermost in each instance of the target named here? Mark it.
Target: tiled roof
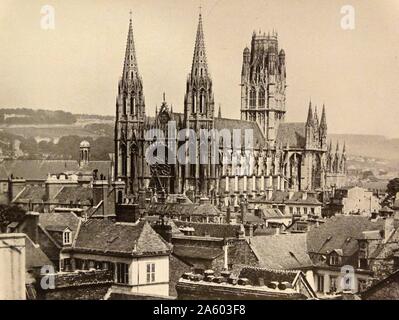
(253, 274)
(196, 252)
(75, 194)
(105, 236)
(60, 220)
(183, 209)
(39, 169)
(217, 230)
(268, 213)
(279, 196)
(282, 251)
(56, 222)
(34, 256)
(232, 124)
(31, 193)
(291, 134)
(340, 232)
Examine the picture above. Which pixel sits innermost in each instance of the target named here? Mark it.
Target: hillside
(373, 146)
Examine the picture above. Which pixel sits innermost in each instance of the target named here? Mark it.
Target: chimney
(164, 229)
(228, 215)
(142, 196)
(15, 186)
(31, 226)
(388, 228)
(243, 209)
(251, 230)
(100, 193)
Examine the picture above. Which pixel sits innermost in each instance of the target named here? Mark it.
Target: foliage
(10, 214)
(28, 116)
(393, 186)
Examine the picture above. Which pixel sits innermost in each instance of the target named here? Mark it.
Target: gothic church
(286, 156)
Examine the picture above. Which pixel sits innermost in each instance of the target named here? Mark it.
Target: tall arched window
(193, 104)
(252, 98)
(261, 102)
(202, 102)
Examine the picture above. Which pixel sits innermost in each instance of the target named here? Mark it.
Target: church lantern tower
(263, 84)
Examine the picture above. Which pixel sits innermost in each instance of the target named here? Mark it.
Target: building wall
(137, 271)
(360, 200)
(358, 279)
(12, 267)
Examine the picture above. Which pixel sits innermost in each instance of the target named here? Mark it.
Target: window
(305, 210)
(320, 283)
(333, 284)
(334, 259)
(298, 210)
(122, 273)
(261, 97)
(291, 210)
(150, 272)
(67, 237)
(252, 98)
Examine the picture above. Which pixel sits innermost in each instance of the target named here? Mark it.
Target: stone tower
(263, 83)
(130, 118)
(199, 112)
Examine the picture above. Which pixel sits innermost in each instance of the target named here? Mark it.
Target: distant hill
(374, 146)
(25, 116)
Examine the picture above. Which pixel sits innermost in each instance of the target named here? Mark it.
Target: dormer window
(67, 237)
(334, 259)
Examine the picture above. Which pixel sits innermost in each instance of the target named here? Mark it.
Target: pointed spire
(337, 148)
(323, 121)
(220, 111)
(199, 66)
(309, 121)
(316, 117)
(130, 68)
(330, 146)
(344, 148)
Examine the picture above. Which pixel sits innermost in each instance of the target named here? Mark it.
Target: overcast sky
(76, 66)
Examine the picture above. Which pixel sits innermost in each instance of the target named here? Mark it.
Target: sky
(76, 66)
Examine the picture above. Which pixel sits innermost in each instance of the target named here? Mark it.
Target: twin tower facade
(285, 156)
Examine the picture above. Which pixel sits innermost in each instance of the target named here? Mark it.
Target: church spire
(309, 121)
(199, 66)
(323, 121)
(220, 111)
(130, 68)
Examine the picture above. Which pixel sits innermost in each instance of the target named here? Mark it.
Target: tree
(10, 214)
(393, 187)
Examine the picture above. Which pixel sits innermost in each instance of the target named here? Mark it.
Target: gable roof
(340, 232)
(281, 251)
(132, 239)
(31, 193)
(291, 134)
(54, 221)
(217, 230)
(34, 256)
(186, 209)
(196, 252)
(297, 197)
(75, 194)
(383, 286)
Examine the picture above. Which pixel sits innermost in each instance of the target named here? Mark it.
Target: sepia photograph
(199, 150)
